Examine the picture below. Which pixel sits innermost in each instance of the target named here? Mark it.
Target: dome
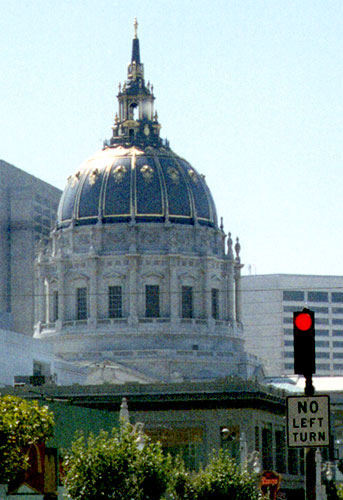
(121, 184)
(136, 177)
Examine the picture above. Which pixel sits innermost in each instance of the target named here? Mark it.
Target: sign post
(308, 423)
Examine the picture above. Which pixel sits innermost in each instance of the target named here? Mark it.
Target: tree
(112, 467)
(22, 423)
(223, 479)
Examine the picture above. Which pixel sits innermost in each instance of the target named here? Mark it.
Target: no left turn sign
(308, 421)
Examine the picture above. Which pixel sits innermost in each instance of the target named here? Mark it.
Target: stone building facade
(137, 269)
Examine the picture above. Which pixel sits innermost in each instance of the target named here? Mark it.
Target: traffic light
(304, 342)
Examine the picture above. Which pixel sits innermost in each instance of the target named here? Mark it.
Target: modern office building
(268, 305)
(27, 213)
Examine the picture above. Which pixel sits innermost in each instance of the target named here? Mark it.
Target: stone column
(132, 289)
(230, 295)
(47, 290)
(41, 299)
(238, 293)
(93, 291)
(174, 299)
(61, 296)
(207, 290)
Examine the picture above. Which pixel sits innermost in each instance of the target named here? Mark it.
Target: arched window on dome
(81, 303)
(215, 303)
(152, 301)
(187, 306)
(115, 301)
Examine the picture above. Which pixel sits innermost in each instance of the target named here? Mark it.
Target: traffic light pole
(310, 453)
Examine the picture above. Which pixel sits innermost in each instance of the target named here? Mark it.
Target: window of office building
(337, 310)
(322, 333)
(215, 303)
(338, 355)
(323, 366)
(322, 343)
(320, 310)
(152, 301)
(55, 305)
(337, 321)
(337, 297)
(115, 302)
(323, 355)
(187, 302)
(81, 303)
(337, 343)
(289, 366)
(322, 321)
(318, 296)
(293, 296)
(337, 333)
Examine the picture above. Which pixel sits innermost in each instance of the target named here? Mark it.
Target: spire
(135, 46)
(136, 122)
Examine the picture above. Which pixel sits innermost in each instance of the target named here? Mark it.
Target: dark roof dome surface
(136, 176)
(121, 184)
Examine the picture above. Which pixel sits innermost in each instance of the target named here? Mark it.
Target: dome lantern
(137, 122)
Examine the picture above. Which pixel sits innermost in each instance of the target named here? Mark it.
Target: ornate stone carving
(193, 175)
(147, 173)
(119, 173)
(174, 174)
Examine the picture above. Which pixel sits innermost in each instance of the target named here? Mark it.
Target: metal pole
(310, 454)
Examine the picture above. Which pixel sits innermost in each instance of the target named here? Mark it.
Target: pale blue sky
(248, 91)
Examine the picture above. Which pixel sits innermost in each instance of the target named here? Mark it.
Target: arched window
(115, 301)
(215, 303)
(81, 303)
(152, 301)
(187, 302)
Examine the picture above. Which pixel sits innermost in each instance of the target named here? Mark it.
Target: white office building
(268, 305)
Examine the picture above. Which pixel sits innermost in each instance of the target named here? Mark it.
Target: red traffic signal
(304, 342)
(303, 321)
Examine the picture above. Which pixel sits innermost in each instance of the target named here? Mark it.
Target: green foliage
(22, 423)
(332, 491)
(112, 467)
(223, 479)
(340, 491)
(181, 484)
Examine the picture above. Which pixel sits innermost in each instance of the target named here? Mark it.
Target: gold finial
(135, 24)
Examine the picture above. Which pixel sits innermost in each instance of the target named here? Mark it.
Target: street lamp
(248, 459)
(137, 428)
